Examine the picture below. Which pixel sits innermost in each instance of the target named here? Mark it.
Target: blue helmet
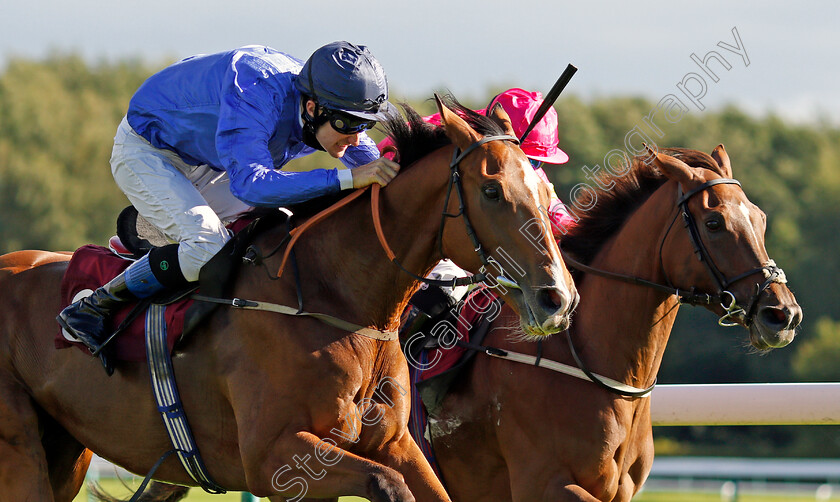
(346, 77)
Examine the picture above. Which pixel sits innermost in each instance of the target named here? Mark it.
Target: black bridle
(723, 297)
(771, 272)
(455, 181)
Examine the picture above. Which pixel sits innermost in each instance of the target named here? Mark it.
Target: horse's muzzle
(774, 326)
(547, 311)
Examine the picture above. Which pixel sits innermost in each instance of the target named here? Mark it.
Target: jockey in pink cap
(540, 145)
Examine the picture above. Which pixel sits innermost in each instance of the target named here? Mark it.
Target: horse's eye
(492, 191)
(714, 224)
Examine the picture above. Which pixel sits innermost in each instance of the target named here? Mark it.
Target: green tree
(57, 122)
(817, 358)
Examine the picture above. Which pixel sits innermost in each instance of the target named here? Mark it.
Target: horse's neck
(629, 342)
(360, 283)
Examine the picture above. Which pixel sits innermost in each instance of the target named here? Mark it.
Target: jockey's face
(334, 142)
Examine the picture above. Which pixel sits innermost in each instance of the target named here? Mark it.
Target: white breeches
(189, 204)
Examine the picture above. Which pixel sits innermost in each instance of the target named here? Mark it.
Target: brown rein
(376, 334)
(311, 222)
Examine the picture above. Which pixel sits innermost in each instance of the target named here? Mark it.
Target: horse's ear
(672, 167)
(722, 158)
(457, 129)
(503, 118)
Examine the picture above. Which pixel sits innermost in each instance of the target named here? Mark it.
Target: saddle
(91, 266)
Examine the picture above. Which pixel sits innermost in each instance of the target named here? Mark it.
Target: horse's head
(505, 202)
(725, 231)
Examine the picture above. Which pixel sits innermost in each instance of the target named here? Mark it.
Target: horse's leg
(406, 457)
(23, 462)
(339, 472)
(163, 492)
(559, 489)
(67, 460)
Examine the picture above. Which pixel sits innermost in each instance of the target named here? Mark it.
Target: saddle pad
(473, 307)
(91, 267)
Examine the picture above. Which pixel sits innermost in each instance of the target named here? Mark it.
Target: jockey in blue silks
(203, 141)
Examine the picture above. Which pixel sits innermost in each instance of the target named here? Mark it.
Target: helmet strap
(311, 124)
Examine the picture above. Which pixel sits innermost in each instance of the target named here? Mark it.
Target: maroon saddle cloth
(91, 267)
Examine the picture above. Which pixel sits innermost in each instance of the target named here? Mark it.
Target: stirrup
(101, 351)
(107, 363)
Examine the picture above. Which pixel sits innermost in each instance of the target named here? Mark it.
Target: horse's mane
(415, 138)
(611, 207)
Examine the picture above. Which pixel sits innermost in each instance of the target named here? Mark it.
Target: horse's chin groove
(565, 323)
(763, 341)
(532, 332)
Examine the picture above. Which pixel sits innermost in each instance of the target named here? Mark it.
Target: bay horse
(509, 431)
(285, 406)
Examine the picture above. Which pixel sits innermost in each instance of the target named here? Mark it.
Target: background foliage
(58, 118)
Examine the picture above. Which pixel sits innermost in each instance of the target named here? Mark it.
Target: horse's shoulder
(20, 261)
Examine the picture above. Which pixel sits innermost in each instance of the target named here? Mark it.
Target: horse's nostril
(796, 319)
(552, 299)
(773, 316)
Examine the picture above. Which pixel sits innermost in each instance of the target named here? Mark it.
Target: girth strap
(169, 401)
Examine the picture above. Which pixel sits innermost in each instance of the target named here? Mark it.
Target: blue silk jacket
(238, 111)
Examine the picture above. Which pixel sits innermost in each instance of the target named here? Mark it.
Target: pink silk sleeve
(561, 220)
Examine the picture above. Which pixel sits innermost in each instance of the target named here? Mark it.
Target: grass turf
(116, 488)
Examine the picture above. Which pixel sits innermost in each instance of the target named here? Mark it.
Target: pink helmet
(541, 143)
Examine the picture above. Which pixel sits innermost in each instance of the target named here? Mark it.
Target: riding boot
(86, 319)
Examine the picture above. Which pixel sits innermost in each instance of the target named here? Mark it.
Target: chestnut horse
(513, 431)
(285, 406)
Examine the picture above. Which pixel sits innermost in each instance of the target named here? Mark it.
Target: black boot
(85, 320)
